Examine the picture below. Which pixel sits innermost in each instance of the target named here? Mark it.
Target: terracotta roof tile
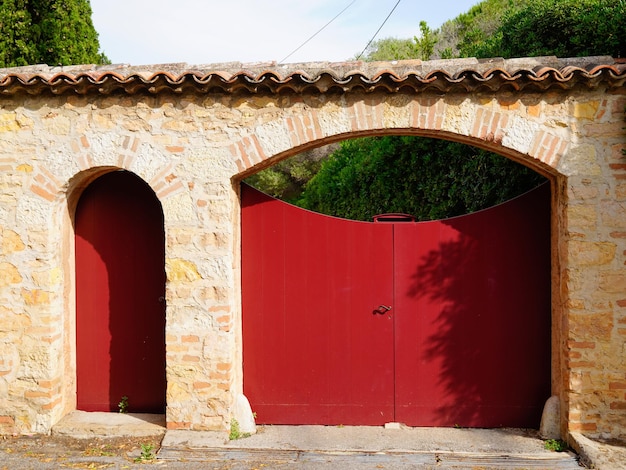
(441, 76)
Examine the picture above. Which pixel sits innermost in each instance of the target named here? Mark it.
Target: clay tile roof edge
(453, 75)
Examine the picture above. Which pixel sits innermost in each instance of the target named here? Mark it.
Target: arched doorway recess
(438, 323)
(120, 296)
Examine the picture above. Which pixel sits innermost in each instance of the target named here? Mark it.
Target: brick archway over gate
(193, 132)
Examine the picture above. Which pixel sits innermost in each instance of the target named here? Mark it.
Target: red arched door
(120, 289)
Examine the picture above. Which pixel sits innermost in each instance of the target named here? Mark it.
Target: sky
(141, 32)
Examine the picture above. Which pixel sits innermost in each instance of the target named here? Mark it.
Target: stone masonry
(193, 132)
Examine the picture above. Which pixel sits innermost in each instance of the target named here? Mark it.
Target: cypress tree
(53, 32)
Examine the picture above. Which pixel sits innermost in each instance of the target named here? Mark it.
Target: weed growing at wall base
(235, 432)
(146, 453)
(555, 445)
(123, 404)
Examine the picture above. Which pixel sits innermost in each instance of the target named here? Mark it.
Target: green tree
(564, 28)
(420, 47)
(53, 32)
(458, 37)
(390, 49)
(427, 178)
(461, 35)
(286, 179)
(522, 28)
(425, 42)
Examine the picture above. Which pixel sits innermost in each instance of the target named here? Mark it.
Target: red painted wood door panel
(472, 331)
(120, 289)
(467, 341)
(314, 350)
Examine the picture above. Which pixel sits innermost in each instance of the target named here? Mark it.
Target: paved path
(113, 441)
(54, 452)
(372, 447)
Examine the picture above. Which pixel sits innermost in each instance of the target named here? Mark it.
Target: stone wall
(595, 274)
(193, 148)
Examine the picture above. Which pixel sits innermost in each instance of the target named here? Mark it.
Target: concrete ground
(113, 440)
(377, 447)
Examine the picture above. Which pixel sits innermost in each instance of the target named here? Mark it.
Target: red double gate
(437, 323)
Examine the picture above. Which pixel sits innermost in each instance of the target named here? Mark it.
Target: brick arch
(51, 186)
(72, 191)
(164, 182)
(514, 131)
(85, 159)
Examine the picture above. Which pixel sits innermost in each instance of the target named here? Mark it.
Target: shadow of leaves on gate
(484, 300)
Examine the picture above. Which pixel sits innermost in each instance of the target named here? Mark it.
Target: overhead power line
(378, 30)
(319, 31)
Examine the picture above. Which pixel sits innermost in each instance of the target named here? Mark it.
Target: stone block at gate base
(244, 415)
(550, 427)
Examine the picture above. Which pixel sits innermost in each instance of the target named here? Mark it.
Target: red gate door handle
(382, 310)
